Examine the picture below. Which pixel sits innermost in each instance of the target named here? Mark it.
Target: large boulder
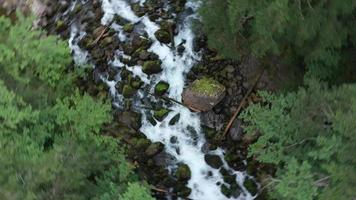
(203, 94)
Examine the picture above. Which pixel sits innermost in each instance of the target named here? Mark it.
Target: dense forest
(56, 139)
(308, 134)
(50, 134)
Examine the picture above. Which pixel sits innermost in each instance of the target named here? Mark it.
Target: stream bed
(173, 58)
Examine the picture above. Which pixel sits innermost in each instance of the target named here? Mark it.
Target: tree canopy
(317, 34)
(50, 132)
(309, 135)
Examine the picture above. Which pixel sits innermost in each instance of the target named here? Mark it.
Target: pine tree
(309, 135)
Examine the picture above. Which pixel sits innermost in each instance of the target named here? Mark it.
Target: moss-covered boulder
(183, 173)
(161, 88)
(152, 67)
(203, 94)
(160, 114)
(163, 36)
(128, 91)
(213, 161)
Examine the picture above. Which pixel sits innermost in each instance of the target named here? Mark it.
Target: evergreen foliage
(316, 33)
(310, 136)
(50, 141)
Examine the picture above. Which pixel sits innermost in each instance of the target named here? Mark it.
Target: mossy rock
(163, 36)
(213, 161)
(251, 186)
(225, 190)
(128, 91)
(154, 149)
(183, 173)
(161, 114)
(152, 67)
(139, 42)
(204, 94)
(128, 28)
(137, 84)
(161, 88)
(207, 86)
(60, 25)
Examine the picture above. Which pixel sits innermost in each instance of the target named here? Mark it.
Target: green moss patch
(207, 86)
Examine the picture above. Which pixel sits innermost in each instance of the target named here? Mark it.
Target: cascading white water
(205, 181)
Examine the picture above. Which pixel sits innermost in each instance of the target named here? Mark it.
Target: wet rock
(213, 160)
(203, 94)
(183, 173)
(174, 120)
(173, 139)
(128, 28)
(235, 190)
(151, 120)
(163, 159)
(225, 190)
(140, 42)
(251, 186)
(160, 114)
(163, 36)
(228, 177)
(183, 190)
(120, 20)
(154, 149)
(137, 84)
(138, 10)
(151, 67)
(144, 55)
(128, 91)
(161, 88)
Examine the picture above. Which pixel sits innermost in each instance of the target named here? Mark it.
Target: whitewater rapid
(205, 181)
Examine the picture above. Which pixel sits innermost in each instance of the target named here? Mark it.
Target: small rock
(128, 91)
(163, 36)
(174, 120)
(161, 88)
(161, 114)
(151, 67)
(128, 28)
(213, 160)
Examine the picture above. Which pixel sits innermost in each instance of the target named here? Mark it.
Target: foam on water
(204, 180)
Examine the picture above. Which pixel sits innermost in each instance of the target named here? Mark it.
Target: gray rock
(236, 131)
